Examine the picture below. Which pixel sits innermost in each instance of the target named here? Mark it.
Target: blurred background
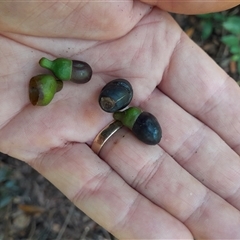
(31, 208)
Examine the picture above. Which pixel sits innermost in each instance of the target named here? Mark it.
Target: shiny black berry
(115, 95)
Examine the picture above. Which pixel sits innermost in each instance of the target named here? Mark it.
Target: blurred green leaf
(219, 17)
(232, 24)
(230, 40)
(205, 16)
(238, 66)
(11, 185)
(207, 28)
(4, 201)
(235, 57)
(4, 174)
(235, 49)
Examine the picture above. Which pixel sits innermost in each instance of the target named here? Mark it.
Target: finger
(197, 148)
(193, 6)
(77, 19)
(199, 86)
(156, 175)
(105, 197)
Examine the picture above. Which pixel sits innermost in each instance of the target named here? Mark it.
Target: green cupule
(42, 89)
(128, 117)
(60, 67)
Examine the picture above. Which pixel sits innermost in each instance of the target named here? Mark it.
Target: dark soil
(32, 208)
(37, 210)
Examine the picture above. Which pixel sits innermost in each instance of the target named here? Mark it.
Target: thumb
(193, 6)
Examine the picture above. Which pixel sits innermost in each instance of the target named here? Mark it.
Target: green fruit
(144, 125)
(65, 69)
(42, 89)
(115, 95)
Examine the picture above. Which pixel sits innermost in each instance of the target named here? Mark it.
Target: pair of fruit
(43, 87)
(117, 95)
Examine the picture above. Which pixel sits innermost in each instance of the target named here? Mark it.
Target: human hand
(187, 186)
(91, 20)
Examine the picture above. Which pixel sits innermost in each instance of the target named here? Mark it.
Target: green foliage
(209, 22)
(207, 28)
(8, 187)
(231, 24)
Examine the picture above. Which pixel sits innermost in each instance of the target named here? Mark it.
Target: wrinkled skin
(188, 185)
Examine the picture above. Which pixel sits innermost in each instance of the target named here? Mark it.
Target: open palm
(188, 186)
